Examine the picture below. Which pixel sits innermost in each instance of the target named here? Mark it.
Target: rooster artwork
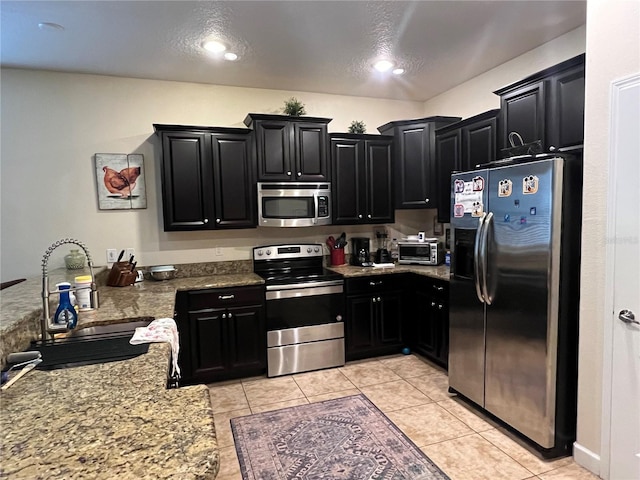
(120, 179)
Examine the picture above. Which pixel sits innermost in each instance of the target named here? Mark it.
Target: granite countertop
(111, 420)
(440, 272)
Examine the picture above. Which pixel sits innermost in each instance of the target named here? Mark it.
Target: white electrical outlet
(130, 252)
(112, 255)
(218, 251)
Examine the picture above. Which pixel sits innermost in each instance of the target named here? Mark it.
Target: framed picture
(121, 181)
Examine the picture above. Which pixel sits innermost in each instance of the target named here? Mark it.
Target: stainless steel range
(305, 307)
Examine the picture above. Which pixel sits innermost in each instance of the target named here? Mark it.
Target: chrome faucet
(48, 327)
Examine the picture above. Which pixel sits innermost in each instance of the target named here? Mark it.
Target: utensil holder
(121, 275)
(337, 256)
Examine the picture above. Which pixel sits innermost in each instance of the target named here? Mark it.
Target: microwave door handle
(484, 245)
(476, 259)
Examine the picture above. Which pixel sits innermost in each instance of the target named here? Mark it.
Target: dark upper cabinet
(207, 178)
(461, 146)
(290, 148)
(414, 160)
(546, 106)
(362, 178)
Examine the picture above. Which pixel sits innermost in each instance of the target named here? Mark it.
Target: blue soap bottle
(65, 313)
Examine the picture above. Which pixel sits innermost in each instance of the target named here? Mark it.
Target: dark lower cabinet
(207, 178)
(374, 321)
(428, 327)
(222, 333)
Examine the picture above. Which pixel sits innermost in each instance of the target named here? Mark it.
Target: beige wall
(476, 95)
(613, 52)
(53, 123)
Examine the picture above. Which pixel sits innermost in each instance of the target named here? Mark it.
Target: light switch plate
(112, 255)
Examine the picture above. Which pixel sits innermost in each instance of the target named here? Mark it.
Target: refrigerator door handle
(477, 264)
(483, 256)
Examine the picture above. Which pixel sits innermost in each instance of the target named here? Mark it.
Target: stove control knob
(316, 249)
(259, 253)
(268, 252)
(309, 249)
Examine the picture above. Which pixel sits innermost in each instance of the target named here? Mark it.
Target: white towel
(160, 330)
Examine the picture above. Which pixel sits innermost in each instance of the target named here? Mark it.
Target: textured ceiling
(315, 46)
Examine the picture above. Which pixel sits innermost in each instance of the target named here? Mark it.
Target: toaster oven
(420, 253)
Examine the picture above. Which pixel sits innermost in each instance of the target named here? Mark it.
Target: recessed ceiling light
(213, 46)
(398, 71)
(230, 56)
(50, 26)
(383, 65)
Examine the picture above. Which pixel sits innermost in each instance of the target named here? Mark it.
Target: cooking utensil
(26, 369)
(331, 242)
(342, 241)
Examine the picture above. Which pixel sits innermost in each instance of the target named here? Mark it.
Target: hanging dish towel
(160, 330)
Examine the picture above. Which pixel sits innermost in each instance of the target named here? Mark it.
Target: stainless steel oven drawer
(311, 333)
(305, 357)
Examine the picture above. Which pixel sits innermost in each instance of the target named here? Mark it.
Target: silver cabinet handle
(359, 216)
(206, 220)
(379, 299)
(226, 297)
(218, 220)
(426, 200)
(230, 315)
(439, 306)
(299, 174)
(288, 174)
(373, 284)
(374, 299)
(369, 216)
(224, 315)
(627, 316)
(433, 304)
(438, 288)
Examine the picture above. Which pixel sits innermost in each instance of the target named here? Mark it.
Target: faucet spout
(47, 326)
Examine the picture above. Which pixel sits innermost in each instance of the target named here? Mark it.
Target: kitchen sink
(91, 345)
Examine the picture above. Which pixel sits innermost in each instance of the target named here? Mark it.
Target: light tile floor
(413, 394)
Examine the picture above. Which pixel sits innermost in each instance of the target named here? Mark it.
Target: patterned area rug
(343, 439)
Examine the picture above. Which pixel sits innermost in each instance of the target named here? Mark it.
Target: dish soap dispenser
(65, 313)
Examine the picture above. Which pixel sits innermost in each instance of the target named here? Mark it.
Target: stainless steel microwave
(287, 204)
(420, 253)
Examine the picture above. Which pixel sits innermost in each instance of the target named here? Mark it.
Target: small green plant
(294, 107)
(357, 126)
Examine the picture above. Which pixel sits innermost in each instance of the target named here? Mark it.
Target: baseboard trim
(586, 458)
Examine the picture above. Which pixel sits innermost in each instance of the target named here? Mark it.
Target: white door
(623, 257)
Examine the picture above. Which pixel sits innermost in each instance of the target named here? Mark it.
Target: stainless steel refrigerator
(514, 294)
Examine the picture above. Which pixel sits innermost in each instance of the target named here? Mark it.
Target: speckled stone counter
(440, 272)
(113, 420)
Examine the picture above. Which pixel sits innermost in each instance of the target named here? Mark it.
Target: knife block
(121, 275)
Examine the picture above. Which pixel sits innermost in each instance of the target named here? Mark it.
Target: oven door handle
(295, 286)
(303, 292)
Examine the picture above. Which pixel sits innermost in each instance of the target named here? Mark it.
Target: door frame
(610, 248)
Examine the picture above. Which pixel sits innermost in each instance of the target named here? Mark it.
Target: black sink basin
(89, 346)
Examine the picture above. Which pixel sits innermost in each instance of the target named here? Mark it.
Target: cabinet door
(360, 336)
(187, 190)
(380, 182)
(235, 197)
(208, 346)
(478, 143)
(425, 325)
(448, 154)
(310, 146)
(389, 306)
(566, 102)
(349, 180)
(440, 317)
(273, 150)
(523, 111)
(247, 339)
(413, 182)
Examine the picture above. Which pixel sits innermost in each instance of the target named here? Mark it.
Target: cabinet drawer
(438, 289)
(374, 283)
(225, 297)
